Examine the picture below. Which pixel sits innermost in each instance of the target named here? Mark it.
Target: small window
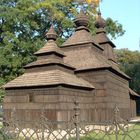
(31, 97)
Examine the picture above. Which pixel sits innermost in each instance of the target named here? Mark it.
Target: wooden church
(83, 68)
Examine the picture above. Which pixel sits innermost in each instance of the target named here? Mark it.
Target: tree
(23, 24)
(129, 62)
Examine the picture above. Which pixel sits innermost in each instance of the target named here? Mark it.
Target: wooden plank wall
(111, 90)
(58, 103)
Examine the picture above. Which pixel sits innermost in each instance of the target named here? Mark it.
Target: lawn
(131, 133)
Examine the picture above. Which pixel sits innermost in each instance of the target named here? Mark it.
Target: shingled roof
(102, 38)
(133, 93)
(82, 34)
(48, 78)
(52, 55)
(86, 57)
(50, 47)
(45, 62)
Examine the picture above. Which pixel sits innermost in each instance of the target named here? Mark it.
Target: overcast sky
(126, 12)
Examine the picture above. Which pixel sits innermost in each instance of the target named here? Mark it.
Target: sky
(126, 12)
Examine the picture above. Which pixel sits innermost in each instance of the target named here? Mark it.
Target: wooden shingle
(49, 77)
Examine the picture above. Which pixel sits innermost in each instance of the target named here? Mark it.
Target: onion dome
(81, 19)
(51, 34)
(82, 34)
(51, 46)
(100, 22)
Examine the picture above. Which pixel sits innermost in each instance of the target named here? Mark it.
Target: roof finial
(99, 12)
(81, 19)
(100, 22)
(51, 34)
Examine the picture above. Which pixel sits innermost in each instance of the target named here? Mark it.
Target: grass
(132, 133)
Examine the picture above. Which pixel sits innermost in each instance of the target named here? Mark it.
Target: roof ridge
(50, 46)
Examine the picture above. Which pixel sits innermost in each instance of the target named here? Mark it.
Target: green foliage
(2, 92)
(132, 132)
(22, 27)
(130, 63)
(113, 28)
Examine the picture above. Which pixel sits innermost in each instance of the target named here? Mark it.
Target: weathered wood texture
(110, 91)
(93, 60)
(133, 107)
(58, 103)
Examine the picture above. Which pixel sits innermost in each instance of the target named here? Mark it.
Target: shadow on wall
(138, 107)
